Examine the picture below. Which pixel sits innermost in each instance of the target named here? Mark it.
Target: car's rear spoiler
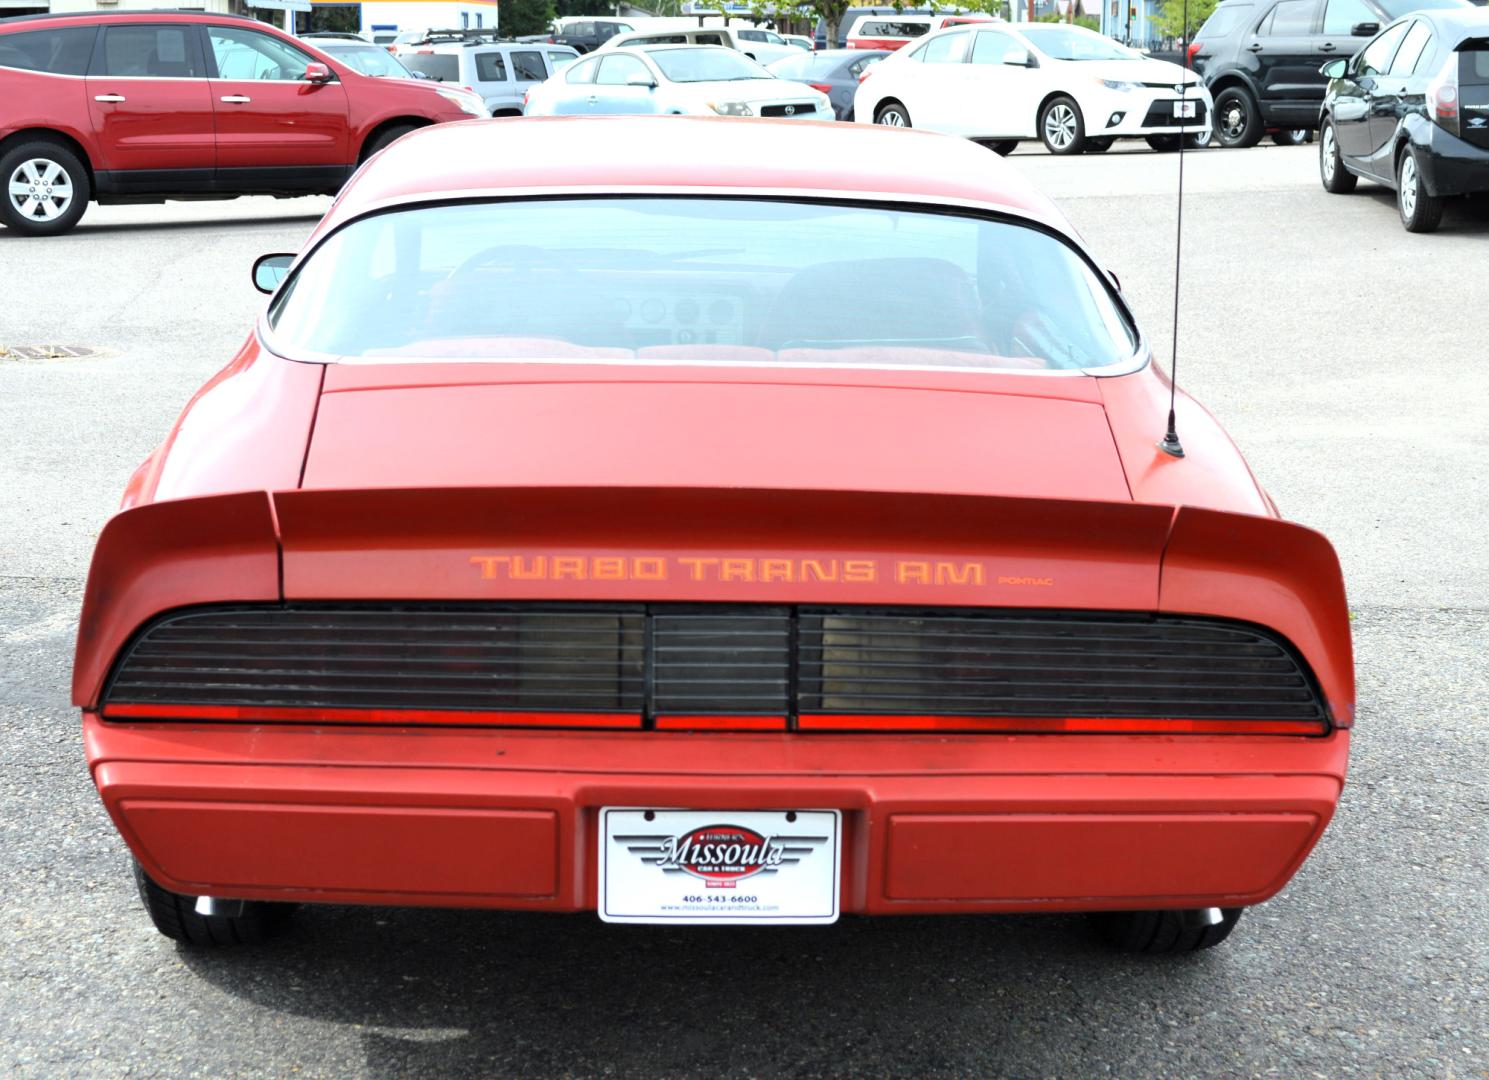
(709, 545)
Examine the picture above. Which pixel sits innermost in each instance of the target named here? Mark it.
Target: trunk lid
(1473, 91)
(716, 434)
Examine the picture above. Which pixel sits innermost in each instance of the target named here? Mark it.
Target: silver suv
(501, 72)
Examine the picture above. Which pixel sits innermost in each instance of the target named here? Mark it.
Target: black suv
(1260, 59)
(587, 35)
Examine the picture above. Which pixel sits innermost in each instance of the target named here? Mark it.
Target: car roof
(1467, 22)
(686, 154)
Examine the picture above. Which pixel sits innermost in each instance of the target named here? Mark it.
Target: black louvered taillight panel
(680, 660)
(518, 659)
(721, 661)
(976, 664)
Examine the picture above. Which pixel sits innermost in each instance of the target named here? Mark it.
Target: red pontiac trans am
(699, 520)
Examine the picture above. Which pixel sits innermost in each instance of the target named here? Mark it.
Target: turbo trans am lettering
(748, 570)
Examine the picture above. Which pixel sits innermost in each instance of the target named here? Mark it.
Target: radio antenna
(1170, 443)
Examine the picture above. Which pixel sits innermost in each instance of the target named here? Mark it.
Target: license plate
(719, 866)
(1184, 110)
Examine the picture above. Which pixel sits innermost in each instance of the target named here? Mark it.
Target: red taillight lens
(1442, 96)
(526, 96)
(866, 73)
(821, 88)
(1194, 47)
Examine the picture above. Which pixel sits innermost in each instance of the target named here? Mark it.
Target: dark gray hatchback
(1411, 111)
(1260, 58)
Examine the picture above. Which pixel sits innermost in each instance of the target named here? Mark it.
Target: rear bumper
(1452, 166)
(507, 819)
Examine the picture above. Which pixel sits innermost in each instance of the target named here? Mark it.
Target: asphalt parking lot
(1344, 355)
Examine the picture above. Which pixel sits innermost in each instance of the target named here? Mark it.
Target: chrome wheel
(1059, 127)
(40, 189)
(1233, 120)
(1408, 187)
(1329, 162)
(892, 117)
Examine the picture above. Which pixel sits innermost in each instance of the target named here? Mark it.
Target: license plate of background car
(1184, 110)
(719, 866)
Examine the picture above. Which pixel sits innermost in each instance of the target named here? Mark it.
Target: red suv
(146, 106)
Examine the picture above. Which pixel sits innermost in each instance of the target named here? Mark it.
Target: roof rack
(471, 36)
(133, 12)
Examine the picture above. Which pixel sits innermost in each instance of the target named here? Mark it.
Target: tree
(523, 17)
(1170, 21)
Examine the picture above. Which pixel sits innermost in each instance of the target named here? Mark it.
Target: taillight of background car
(1194, 47)
(822, 88)
(1442, 96)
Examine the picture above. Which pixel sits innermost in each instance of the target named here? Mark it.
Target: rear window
(57, 52)
(878, 29)
(441, 68)
(528, 67)
(490, 67)
(1473, 63)
(702, 280)
(1224, 19)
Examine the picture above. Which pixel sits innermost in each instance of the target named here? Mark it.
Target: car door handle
(236, 99)
(1328, 46)
(110, 99)
(1255, 46)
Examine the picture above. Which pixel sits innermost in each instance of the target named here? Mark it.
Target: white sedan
(699, 80)
(1071, 87)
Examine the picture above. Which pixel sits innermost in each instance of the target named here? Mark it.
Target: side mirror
(1364, 29)
(270, 270)
(642, 80)
(1334, 69)
(316, 73)
(1017, 58)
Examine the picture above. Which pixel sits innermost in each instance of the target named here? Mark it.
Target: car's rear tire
(1098, 146)
(1238, 122)
(1159, 932)
(385, 137)
(1164, 144)
(1420, 211)
(1062, 127)
(46, 188)
(1292, 136)
(1337, 180)
(1002, 147)
(175, 916)
(892, 114)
